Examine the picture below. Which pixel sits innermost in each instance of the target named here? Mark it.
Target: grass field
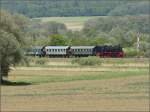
(115, 85)
(72, 23)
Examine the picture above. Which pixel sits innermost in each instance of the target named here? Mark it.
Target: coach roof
(83, 47)
(57, 47)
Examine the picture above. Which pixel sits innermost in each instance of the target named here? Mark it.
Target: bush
(41, 61)
(90, 61)
(130, 52)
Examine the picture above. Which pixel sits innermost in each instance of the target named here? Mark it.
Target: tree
(11, 43)
(57, 40)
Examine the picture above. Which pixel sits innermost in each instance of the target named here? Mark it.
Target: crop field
(115, 85)
(72, 23)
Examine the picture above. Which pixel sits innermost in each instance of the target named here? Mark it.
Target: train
(107, 51)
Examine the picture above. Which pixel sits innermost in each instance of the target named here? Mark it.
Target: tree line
(47, 8)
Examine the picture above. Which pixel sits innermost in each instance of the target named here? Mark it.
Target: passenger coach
(57, 51)
(79, 51)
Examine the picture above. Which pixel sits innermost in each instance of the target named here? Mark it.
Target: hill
(47, 8)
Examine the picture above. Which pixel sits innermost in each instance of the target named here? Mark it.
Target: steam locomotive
(76, 51)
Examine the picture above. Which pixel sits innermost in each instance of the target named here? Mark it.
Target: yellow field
(61, 86)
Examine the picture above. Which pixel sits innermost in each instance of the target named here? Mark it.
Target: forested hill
(43, 8)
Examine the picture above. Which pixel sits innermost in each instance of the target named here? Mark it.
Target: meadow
(59, 85)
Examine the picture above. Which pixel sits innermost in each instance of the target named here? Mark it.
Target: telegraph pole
(138, 41)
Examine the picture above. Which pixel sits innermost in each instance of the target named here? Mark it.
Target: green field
(115, 85)
(72, 23)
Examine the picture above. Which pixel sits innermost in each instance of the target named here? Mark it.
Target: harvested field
(72, 23)
(100, 88)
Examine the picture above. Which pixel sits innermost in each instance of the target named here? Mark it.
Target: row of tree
(109, 30)
(46, 8)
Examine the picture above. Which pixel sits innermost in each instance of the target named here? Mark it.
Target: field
(115, 85)
(72, 23)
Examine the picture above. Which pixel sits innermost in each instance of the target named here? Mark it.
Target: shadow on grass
(10, 83)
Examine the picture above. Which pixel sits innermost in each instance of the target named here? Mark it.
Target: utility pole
(138, 41)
